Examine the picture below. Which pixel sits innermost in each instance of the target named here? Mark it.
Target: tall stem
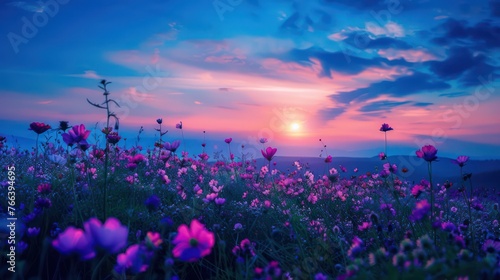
(432, 200)
(385, 134)
(106, 158)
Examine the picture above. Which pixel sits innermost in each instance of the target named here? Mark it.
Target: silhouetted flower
(427, 152)
(153, 202)
(385, 127)
(159, 121)
(39, 128)
(192, 243)
(179, 125)
(172, 147)
(63, 125)
(135, 260)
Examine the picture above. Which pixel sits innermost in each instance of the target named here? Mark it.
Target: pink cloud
(418, 55)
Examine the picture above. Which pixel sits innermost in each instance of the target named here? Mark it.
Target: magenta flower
(76, 135)
(382, 156)
(228, 140)
(269, 153)
(136, 260)
(220, 200)
(112, 236)
(328, 159)
(428, 153)
(113, 137)
(192, 243)
(385, 127)
(39, 128)
(76, 241)
(153, 240)
(461, 160)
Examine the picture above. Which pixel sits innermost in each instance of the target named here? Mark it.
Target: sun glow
(294, 127)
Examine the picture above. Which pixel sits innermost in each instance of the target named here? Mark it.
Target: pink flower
(382, 156)
(192, 243)
(428, 153)
(269, 153)
(39, 128)
(417, 190)
(153, 240)
(136, 259)
(112, 236)
(328, 159)
(228, 140)
(74, 240)
(461, 160)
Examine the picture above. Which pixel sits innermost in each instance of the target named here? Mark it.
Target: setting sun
(295, 127)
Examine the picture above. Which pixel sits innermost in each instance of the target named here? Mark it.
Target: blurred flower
(263, 140)
(238, 226)
(135, 260)
(192, 243)
(76, 135)
(57, 159)
(328, 159)
(34, 231)
(179, 125)
(112, 236)
(491, 246)
(385, 127)
(382, 156)
(228, 140)
(153, 202)
(39, 128)
(44, 188)
(159, 121)
(43, 202)
(428, 153)
(153, 240)
(269, 153)
(113, 137)
(220, 200)
(74, 240)
(421, 209)
(417, 190)
(461, 160)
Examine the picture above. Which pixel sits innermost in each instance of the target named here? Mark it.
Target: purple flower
(179, 125)
(112, 236)
(421, 209)
(113, 137)
(136, 259)
(461, 160)
(382, 156)
(72, 241)
(491, 246)
(448, 226)
(263, 140)
(43, 202)
(228, 140)
(220, 200)
(385, 127)
(76, 135)
(269, 153)
(153, 202)
(159, 121)
(428, 153)
(34, 231)
(172, 147)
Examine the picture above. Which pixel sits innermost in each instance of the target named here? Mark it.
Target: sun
(294, 127)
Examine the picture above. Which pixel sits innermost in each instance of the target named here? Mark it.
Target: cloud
(402, 86)
(27, 6)
(495, 8)
(382, 106)
(454, 94)
(484, 35)
(464, 65)
(390, 29)
(364, 40)
(414, 55)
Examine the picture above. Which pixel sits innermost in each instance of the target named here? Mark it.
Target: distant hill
(485, 173)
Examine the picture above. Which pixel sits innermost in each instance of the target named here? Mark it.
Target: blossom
(159, 121)
(269, 153)
(74, 240)
(491, 246)
(417, 190)
(136, 259)
(113, 137)
(39, 128)
(34, 231)
(328, 159)
(76, 135)
(385, 127)
(44, 188)
(228, 140)
(428, 153)
(153, 202)
(153, 240)
(263, 140)
(382, 155)
(112, 236)
(179, 125)
(192, 243)
(63, 125)
(461, 160)
(421, 209)
(219, 200)
(172, 147)
(57, 159)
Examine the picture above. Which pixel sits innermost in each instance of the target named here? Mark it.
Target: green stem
(432, 200)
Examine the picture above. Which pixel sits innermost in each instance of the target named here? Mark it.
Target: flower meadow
(93, 209)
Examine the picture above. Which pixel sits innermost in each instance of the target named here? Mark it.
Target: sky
(293, 72)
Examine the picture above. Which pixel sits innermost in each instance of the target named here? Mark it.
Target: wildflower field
(80, 209)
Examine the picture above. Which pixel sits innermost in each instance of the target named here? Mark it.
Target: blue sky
(290, 71)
